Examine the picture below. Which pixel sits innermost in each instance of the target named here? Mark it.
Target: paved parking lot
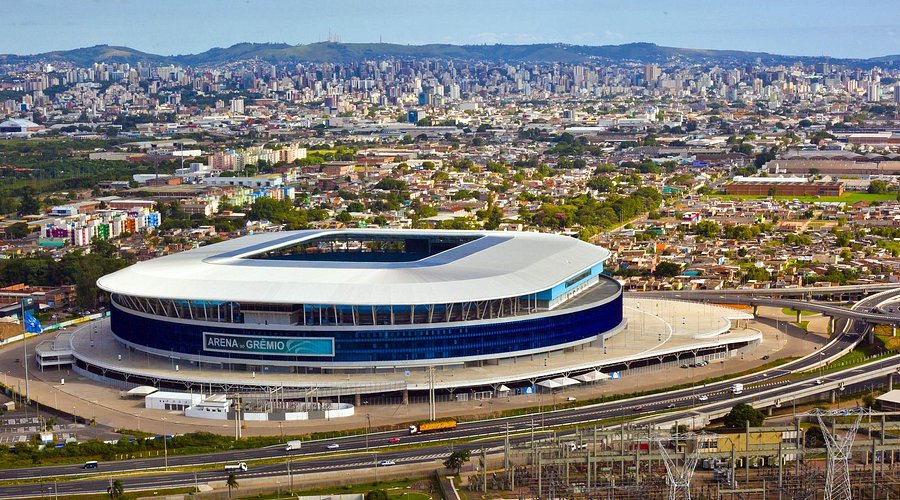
(16, 427)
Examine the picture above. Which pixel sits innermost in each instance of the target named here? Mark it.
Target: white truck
(737, 389)
(292, 445)
(239, 467)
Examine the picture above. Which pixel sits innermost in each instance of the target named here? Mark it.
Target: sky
(836, 28)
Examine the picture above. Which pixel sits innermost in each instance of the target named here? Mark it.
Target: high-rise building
(651, 73)
(873, 92)
(237, 106)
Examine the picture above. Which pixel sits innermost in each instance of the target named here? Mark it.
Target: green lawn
(848, 198)
(791, 312)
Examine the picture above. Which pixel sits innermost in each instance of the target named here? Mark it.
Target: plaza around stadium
(311, 324)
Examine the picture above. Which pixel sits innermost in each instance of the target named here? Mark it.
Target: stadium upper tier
(367, 267)
(358, 298)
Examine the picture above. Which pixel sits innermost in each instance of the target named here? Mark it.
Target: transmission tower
(679, 478)
(837, 472)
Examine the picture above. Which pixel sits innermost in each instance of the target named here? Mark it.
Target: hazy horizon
(172, 27)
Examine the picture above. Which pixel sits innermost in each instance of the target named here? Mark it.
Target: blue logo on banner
(615, 375)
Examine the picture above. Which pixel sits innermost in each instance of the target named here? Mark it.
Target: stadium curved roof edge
(487, 265)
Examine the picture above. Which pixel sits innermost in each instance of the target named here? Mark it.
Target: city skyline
(170, 28)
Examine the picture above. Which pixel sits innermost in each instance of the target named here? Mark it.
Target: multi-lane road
(353, 455)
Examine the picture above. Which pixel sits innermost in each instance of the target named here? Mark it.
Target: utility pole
(166, 451)
(506, 452)
(290, 472)
(25, 349)
(431, 404)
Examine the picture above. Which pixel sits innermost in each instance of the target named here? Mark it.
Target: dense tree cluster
(82, 269)
(592, 214)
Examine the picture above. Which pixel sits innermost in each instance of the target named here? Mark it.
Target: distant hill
(89, 55)
(347, 52)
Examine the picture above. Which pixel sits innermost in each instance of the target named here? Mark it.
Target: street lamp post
(368, 425)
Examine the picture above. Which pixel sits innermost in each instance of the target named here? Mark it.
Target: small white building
(214, 407)
(164, 400)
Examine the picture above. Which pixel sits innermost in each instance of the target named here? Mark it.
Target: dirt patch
(8, 330)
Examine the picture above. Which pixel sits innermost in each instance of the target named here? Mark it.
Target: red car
(638, 408)
(394, 440)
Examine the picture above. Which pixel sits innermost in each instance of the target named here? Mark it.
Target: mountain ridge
(641, 52)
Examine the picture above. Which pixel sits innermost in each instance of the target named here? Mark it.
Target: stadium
(364, 301)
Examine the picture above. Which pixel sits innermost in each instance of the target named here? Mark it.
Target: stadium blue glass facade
(408, 344)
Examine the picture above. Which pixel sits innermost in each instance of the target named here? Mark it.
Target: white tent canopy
(554, 383)
(142, 390)
(593, 376)
(549, 384)
(566, 381)
(503, 388)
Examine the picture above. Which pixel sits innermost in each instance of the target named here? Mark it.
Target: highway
(316, 457)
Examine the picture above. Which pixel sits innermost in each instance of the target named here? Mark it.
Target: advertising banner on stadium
(278, 346)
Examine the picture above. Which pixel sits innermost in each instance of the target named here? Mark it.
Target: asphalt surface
(317, 457)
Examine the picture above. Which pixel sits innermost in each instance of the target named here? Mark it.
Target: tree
(741, 414)
(601, 183)
(707, 228)
(377, 495)
(457, 459)
(232, 483)
(869, 400)
(814, 438)
(29, 205)
(877, 187)
(116, 489)
(667, 270)
(17, 230)
(757, 274)
(842, 238)
(103, 248)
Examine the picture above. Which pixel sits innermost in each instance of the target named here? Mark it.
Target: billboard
(277, 346)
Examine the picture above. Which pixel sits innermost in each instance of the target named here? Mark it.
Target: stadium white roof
(494, 265)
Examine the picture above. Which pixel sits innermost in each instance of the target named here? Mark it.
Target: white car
(703, 397)
(333, 446)
(385, 463)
